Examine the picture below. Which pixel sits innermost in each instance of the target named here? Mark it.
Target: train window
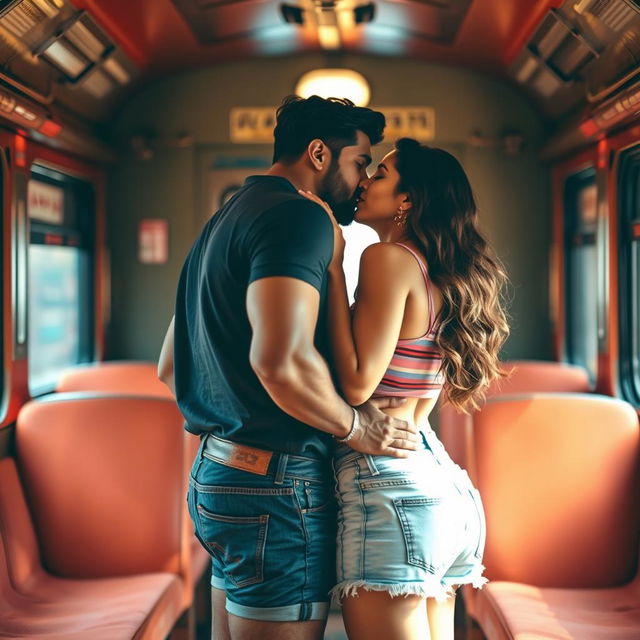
(580, 199)
(629, 274)
(61, 248)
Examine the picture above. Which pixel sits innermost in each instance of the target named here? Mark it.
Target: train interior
(125, 125)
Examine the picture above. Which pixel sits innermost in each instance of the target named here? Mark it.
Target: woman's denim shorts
(411, 525)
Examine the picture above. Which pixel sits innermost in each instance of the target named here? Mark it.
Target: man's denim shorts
(411, 525)
(271, 537)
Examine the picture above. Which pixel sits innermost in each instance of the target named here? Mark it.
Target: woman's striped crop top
(414, 371)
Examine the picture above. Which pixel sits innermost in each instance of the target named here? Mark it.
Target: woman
(414, 526)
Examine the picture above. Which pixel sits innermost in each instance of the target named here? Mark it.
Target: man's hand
(381, 434)
(338, 236)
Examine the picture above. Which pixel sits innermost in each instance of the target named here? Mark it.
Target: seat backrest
(138, 378)
(535, 376)
(526, 376)
(18, 544)
(105, 479)
(558, 474)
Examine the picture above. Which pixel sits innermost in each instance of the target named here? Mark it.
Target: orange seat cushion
(140, 378)
(105, 472)
(513, 611)
(558, 475)
(34, 603)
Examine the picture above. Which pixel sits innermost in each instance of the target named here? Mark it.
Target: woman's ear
(406, 203)
(319, 154)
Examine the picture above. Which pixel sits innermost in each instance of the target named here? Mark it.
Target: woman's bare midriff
(414, 410)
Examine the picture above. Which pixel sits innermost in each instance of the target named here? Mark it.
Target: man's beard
(336, 194)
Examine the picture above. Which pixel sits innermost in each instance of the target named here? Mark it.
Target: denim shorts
(411, 525)
(271, 537)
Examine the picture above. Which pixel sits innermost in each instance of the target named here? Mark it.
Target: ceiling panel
(163, 36)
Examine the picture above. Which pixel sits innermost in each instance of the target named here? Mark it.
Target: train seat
(526, 376)
(106, 487)
(138, 378)
(511, 611)
(35, 603)
(558, 474)
(123, 376)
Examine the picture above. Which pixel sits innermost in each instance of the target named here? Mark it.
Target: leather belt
(238, 456)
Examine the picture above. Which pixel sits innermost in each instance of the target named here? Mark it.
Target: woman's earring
(400, 218)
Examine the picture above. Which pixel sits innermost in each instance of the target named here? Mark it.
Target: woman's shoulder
(391, 255)
(389, 251)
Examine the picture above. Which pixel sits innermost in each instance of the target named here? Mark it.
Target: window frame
(82, 235)
(628, 192)
(572, 183)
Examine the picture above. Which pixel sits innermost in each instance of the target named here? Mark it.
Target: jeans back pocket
(238, 542)
(429, 534)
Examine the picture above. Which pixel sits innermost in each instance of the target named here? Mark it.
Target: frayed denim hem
(474, 578)
(430, 588)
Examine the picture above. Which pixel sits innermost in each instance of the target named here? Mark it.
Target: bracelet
(355, 427)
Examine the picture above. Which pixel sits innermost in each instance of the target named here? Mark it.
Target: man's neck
(296, 175)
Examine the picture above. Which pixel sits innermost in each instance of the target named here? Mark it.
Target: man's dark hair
(335, 121)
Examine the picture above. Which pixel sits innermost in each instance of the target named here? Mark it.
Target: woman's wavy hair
(443, 222)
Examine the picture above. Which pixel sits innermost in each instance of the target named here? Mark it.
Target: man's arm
(165, 362)
(283, 314)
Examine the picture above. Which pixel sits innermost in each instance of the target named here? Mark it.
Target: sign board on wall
(409, 122)
(252, 124)
(153, 241)
(46, 202)
(255, 125)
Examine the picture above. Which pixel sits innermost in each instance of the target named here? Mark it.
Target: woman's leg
(440, 615)
(375, 614)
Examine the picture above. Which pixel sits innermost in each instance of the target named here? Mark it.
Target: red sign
(153, 241)
(46, 202)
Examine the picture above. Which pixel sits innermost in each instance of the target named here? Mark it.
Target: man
(251, 377)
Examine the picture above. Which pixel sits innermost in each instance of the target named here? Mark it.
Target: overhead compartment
(52, 53)
(582, 50)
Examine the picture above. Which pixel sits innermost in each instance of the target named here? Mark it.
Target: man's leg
(245, 629)
(272, 540)
(220, 621)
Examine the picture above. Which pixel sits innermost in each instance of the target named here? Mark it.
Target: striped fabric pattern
(414, 370)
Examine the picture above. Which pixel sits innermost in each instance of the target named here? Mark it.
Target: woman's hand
(338, 237)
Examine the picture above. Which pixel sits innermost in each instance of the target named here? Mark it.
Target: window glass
(581, 271)
(60, 267)
(55, 275)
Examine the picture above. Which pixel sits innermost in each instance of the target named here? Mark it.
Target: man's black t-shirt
(266, 229)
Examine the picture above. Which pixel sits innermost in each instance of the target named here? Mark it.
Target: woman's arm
(165, 362)
(363, 346)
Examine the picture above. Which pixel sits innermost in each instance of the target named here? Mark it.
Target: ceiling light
(329, 36)
(526, 70)
(328, 30)
(98, 84)
(115, 69)
(85, 41)
(546, 83)
(68, 60)
(21, 111)
(336, 83)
